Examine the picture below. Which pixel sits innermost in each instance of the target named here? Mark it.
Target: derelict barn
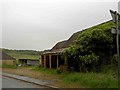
(29, 62)
(51, 58)
(6, 59)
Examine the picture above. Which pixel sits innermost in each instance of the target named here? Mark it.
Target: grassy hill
(23, 54)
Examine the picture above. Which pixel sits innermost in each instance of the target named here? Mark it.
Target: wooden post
(44, 61)
(50, 60)
(40, 60)
(57, 62)
(65, 64)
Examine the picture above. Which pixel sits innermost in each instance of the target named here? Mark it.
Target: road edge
(49, 86)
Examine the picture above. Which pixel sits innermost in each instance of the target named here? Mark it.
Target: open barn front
(23, 61)
(47, 62)
(50, 61)
(29, 62)
(54, 61)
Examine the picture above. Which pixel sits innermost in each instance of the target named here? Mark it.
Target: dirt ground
(30, 73)
(34, 74)
(27, 71)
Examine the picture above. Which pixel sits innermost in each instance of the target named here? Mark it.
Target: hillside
(20, 54)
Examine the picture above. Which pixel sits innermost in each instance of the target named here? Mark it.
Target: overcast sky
(40, 24)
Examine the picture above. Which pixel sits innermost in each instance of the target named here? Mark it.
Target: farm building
(51, 58)
(30, 62)
(7, 59)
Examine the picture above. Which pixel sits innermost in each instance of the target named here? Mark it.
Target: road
(13, 83)
(0, 81)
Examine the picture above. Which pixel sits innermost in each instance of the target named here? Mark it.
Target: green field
(23, 54)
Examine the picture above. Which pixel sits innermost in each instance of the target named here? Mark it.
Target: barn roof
(60, 46)
(66, 43)
(4, 56)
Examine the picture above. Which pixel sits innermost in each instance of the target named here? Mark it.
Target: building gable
(4, 56)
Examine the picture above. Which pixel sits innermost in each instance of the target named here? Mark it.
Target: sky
(40, 24)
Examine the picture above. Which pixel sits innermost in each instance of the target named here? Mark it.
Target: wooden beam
(50, 60)
(40, 60)
(57, 62)
(44, 61)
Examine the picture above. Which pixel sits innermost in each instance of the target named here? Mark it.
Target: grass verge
(46, 70)
(91, 80)
(9, 66)
(87, 80)
(68, 79)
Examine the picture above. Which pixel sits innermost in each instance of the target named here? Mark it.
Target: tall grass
(45, 70)
(87, 80)
(91, 80)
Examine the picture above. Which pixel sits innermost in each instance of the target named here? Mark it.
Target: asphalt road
(0, 82)
(13, 83)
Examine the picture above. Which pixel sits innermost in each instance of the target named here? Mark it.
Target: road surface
(0, 81)
(13, 83)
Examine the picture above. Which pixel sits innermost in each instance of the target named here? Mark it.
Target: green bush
(89, 59)
(58, 70)
(94, 47)
(114, 59)
(88, 62)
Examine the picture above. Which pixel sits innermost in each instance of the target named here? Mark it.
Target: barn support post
(57, 61)
(50, 61)
(44, 61)
(40, 60)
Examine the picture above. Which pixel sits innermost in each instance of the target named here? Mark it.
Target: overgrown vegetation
(106, 79)
(46, 70)
(94, 48)
(91, 80)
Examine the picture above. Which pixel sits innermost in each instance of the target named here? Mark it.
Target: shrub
(114, 59)
(58, 71)
(88, 62)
